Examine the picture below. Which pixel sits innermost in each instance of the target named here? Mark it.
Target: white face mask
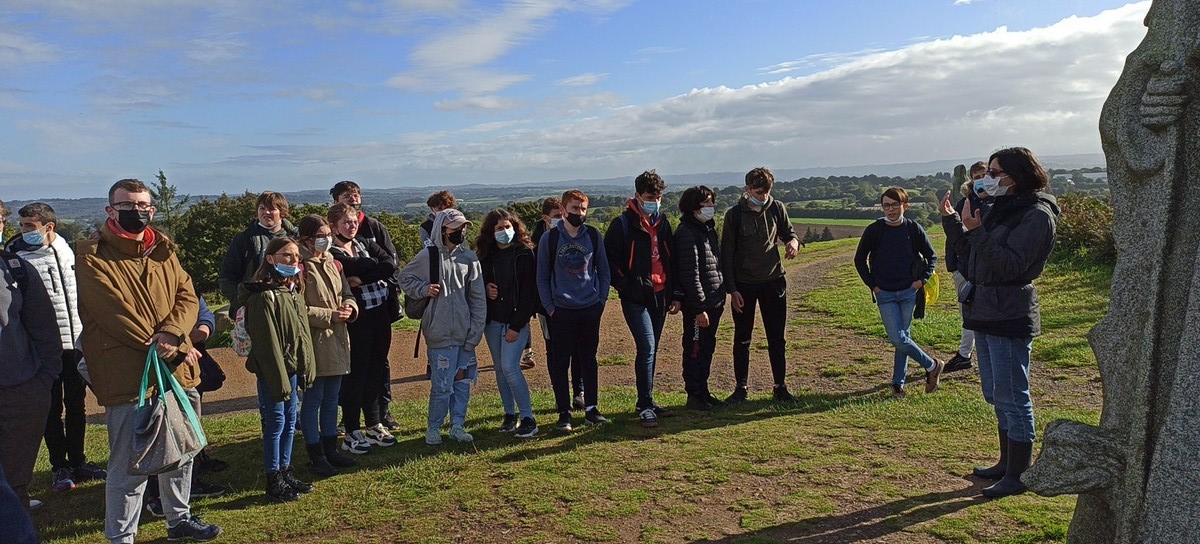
(992, 186)
(322, 244)
(707, 213)
(554, 221)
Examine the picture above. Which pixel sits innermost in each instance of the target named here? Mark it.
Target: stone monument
(1138, 473)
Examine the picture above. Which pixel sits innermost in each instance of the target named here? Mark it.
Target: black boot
(290, 479)
(317, 463)
(329, 445)
(279, 490)
(995, 472)
(1019, 454)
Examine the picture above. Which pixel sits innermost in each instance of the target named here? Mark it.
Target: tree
(530, 212)
(204, 233)
(168, 203)
(826, 235)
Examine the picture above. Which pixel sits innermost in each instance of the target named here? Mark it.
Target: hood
(967, 188)
(1047, 200)
(632, 206)
(258, 230)
(248, 288)
(16, 243)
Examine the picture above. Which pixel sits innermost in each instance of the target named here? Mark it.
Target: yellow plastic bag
(932, 290)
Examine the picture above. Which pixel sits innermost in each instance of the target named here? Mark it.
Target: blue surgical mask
(33, 237)
(505, 236)
(650, 207)
(287, 270)
(756, 202)
(978, 185)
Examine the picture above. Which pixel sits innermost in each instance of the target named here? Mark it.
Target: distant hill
(400, 199)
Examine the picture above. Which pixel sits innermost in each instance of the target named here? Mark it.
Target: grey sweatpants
(123, 491)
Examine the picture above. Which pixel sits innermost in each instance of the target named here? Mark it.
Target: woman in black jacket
(699, 290)
(1008, 250)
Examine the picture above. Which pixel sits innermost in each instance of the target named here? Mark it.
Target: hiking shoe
(662, 412)
(193, 528)
(203, 489)
(527, 428)
(460, 434)
(527, 361)
(289, 478)
(63, 479)
(594, 417)
(782, 394)
(898, 391)
(433, 437)
(646, 417)
(510, 423)
(957, 363)
(154, 506)
(739, 396)
(388, 421)
(88, 471)
(564, 422)
(698, 402)
(278, 489)
(577, 402)
(356, 442)
(379, 436)
(933, 378)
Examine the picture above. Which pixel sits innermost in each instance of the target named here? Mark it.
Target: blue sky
(226, 95)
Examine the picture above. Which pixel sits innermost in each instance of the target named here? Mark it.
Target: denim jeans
(698, 346)
(576, 337)
(772, 297)
(646, 325)
(1004, 377)
(319, 411)
(450, 391)
(278, 426)
(506, 360)
(896, 309)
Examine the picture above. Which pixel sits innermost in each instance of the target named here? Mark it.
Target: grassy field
(844, 464)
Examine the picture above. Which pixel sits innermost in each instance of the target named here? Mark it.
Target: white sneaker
(34, 504)
(460, 434)
(433, 437)
(379, 436)
(356, 442)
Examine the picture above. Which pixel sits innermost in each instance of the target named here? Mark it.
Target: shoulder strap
(435, 264)
(553, 256)
(594, 234)
(735, 219)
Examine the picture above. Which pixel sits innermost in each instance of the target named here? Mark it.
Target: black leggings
(370, 340)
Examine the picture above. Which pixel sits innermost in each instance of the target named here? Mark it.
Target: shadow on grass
(868, 524)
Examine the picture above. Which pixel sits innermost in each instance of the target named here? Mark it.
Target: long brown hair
(266, 271)
(485, 243)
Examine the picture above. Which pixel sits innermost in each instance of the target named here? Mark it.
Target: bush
(1085, 228)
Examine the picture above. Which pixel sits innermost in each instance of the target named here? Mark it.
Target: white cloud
(964, 2)
(582, 80)
(85, 136)
(486, 103)
(17, 50)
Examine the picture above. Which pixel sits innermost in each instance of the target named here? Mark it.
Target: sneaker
(154, 506)
(193, 528)
(698, 402)
(379, 436)
(564, 422)
(933, 378)
(647, 418)
(34, 504)
(713, 401)
(460, 434)
(782, 394)
(898, 391)
(593, 417)
(206, 463)
(356, 442)
(577, 402)
(63, 480)
(203, 489)
(510, 423)
(527, 361)
(957, 363)
(739, 396)
(389, 422)
(662, 412)
(341, 430)
(88, 471)
(433, 437)
(527, 428)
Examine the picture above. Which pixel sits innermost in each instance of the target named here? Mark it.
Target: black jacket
(1007, 252)
(371, 230)
(865, 258)
(376, 265)
(514, 271)
(243, 258)
(628, 247)
(698, 283)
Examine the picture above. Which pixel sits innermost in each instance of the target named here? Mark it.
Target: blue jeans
(896, 309)
(646, 325)
(278, 426)
(506, 360)
(1004, 376)
(320, 409)
(450, 390)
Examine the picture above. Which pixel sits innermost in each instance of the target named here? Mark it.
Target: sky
(229, 95)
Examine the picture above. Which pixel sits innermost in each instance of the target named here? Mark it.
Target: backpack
(238, 336)
(414, 307)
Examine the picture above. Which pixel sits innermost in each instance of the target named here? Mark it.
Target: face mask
(322, 244)
(505, 236)
(554, 221)
(650, 207)
(286, 270)
(33, 237)
(992, 186)
(756, 202)
(706, 213)
(978, 185)
(576, 220)
(133, 221)
(455, 237)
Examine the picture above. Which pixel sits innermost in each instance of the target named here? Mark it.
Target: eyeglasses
(289, 256)
(995, 173)
(130, 205)
(892, 206)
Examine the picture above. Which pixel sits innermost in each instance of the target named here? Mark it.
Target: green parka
(280, 343)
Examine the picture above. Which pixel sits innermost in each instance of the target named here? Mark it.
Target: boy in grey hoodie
(453, 321)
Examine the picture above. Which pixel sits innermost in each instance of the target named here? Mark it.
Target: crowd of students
(317, 302)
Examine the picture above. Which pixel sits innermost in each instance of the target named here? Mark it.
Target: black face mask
(133, 221)
(455, 237)
(575, 219)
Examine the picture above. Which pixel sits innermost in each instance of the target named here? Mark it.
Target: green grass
(838, 222)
